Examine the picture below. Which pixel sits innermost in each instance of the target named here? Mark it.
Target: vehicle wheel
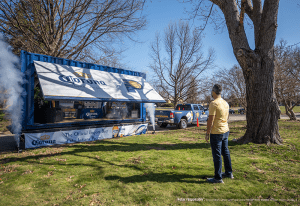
(163, 125)
(182, 124)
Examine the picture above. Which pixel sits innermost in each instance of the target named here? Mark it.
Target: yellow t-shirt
(220, 108)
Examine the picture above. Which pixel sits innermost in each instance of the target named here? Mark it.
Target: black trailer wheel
(182, 124)
(163, 125)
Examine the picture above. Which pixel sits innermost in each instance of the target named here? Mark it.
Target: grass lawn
(296, 109)
(153, 170)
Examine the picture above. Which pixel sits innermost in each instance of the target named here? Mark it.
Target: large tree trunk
(263, 110)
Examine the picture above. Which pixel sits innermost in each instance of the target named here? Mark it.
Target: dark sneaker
(213, 180)
(224, 175)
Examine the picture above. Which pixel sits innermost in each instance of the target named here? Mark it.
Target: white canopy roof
(75, 83)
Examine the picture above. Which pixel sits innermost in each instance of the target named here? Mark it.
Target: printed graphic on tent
(69, 82)
(33, 140)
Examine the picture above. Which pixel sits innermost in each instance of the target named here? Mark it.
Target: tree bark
(263, 111)
(289, 111)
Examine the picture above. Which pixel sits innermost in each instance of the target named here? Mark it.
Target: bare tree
(287, 87)
(193, 91)
(208, 99)
(294, 64)
(233, 100)
(257, 65)
(74, 29)
(179, 65)
(233, 82)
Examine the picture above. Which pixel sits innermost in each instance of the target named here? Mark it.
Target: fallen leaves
(49, 174)
(134, 160)
(292, 160)
(27, 172)
(82, 186)
(8, 169)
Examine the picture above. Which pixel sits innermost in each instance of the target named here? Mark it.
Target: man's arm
(210, 121)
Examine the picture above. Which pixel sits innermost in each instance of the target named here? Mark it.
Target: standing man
(218, 131)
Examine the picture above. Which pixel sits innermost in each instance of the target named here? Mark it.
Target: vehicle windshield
(183, 107)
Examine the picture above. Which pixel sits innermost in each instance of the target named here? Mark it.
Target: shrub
(168, 105)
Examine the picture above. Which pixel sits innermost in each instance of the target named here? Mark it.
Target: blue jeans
(219, 146)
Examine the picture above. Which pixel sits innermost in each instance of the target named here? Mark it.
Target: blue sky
(161, 12)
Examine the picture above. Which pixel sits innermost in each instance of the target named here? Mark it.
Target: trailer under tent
(68, 101)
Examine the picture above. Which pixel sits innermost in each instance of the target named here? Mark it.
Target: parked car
(241, 111)
(181, 116)
(231, 111)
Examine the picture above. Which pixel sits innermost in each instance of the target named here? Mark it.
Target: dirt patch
(5, 133)
(253, 158)
(134, 160)
(258, 170)
(237, 126)
(150, 134)
(298, 120)
(186, 139)
(198, 131)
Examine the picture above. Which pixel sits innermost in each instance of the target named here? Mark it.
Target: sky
(161, 12)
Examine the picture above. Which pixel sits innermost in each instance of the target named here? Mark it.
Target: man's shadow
(160, 178)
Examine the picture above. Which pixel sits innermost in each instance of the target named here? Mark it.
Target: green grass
(152, 170)
(1, 115)
(296, 109)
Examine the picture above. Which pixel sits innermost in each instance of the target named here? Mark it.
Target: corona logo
(45, 137)
(81, 74)
(141, 130)
(80, 79)
(135, 84)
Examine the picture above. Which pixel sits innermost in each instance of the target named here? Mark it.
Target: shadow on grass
(85, 151)
(110, 146)
(160, 178)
